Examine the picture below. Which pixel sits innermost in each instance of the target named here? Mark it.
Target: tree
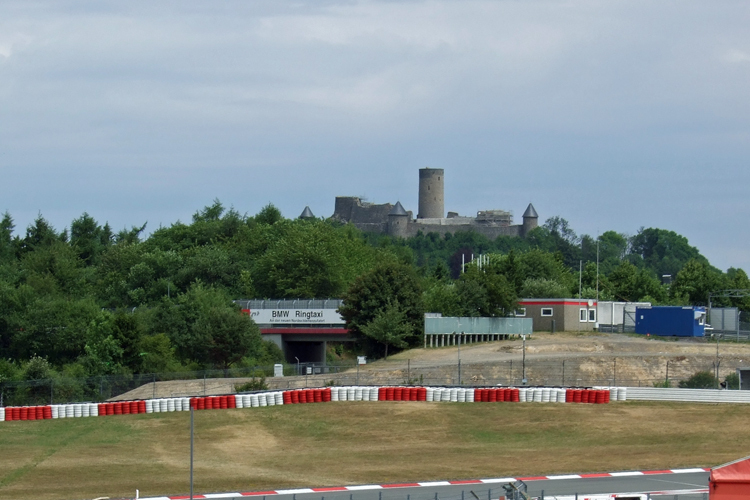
(206, 327)
(310, 259)
(89, 239)
(389, 327)
(695, 281)
(485, 292)
(268, 215)
(662, 251)
(630, 284)
(387, 283)
(541, 288)
(7, 246)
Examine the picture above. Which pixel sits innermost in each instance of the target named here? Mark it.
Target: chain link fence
(572, 372)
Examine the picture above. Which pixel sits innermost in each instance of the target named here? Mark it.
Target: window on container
(582, 315)
(521, 311)
(546, 311)
(592, 315)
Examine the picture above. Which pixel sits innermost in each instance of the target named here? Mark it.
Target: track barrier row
(595, 395)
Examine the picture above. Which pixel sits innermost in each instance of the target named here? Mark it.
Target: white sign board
(296, 316)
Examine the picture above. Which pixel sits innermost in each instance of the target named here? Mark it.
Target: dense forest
(88, 301)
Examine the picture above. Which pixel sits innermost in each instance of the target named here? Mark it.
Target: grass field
(356, 443)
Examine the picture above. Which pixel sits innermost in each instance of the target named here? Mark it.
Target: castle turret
(398, 221)
(431, 202)
(307, 214)
(530, 220)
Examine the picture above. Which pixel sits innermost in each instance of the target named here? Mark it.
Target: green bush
(700, 380)
(732, 381)
(256, 384)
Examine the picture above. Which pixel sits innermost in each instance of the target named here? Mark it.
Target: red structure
(730, 481)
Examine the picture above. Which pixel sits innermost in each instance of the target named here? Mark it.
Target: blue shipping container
(671, 321)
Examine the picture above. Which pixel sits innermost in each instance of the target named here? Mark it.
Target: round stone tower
(431, 202)
(398, 221)
(530, 220)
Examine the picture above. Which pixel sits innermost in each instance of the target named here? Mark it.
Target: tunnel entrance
(307, 352)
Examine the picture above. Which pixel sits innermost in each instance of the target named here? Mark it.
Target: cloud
(735, 56)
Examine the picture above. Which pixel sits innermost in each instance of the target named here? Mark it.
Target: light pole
(297, 364)
(717, 335)
(459, 358)
(523, 372)
(191, 452)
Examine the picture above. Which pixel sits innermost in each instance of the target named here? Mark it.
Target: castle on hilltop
(394, 220)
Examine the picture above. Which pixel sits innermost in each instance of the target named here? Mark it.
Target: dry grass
(354, 443)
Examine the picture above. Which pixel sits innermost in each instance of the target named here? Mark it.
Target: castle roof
(530, 212)
(307, 213)
(398, 209)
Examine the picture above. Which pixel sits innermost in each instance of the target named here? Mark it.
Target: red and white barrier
(595, 395)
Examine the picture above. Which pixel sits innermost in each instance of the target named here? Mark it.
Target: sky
(614, 115)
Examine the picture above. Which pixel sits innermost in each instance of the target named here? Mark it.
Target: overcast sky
(612, 114)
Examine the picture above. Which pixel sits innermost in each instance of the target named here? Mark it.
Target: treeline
(88, 301)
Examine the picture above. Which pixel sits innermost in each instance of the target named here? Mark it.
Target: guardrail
(688, 395)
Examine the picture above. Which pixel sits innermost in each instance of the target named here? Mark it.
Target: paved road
(666, 485)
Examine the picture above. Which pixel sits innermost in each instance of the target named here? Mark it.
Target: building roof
(398, 209)
(530, 212)
(737, 471)
(307, 213)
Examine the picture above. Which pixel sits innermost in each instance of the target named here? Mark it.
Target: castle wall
(490, 232)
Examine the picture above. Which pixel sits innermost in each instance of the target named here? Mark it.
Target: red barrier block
(577, 395)
(389, 393)
(31, 413)
(141, 406)
(381, 393)
(125, 407)
(600, 397)
(515, 395)
(201, 403)
(492, 396)
(223, 403)
(422, 394)
(40, 412)
(398, 394)
(287, 396)
(47, 412)
(24, 415)
(327, 395)
(585, 393)
(318, 395)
